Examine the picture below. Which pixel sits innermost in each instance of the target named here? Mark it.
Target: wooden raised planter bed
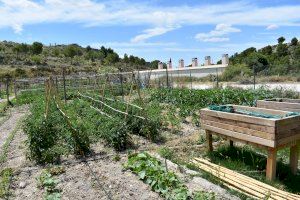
(269, 133)
(292, 105)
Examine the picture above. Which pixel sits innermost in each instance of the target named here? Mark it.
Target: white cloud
(132, 44)
(272, 27)
(219, 34)
(158, 20)
(148, 33)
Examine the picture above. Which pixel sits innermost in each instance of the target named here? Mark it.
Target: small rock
(22, 184)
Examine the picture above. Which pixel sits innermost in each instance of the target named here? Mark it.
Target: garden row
(191, 101)
(55, 128)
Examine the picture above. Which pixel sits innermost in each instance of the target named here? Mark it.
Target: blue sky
(155, 29)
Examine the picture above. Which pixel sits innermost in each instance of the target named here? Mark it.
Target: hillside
(30, 60)
(280, 59)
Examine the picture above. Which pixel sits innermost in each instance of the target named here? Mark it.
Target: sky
(153, 29)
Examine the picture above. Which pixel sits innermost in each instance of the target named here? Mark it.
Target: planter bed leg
(294, 156)
(271, 164)
(209, 141)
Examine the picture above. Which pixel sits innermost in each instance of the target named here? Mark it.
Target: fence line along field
(129, 136)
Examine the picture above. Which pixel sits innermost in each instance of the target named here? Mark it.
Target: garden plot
(89, 140)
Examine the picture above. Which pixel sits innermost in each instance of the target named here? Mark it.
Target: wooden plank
(288, 140)
(286, 105)
(271, 164)
(248, 180)
(268, 129)
(240, 136)
(239, 129)
(262, 110)
(288, 133)
(239, 117)
(294, 156)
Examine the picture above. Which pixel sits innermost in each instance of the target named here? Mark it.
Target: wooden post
(231, 143)
(7, 91)
(294, 156)
(15, 89)
(56, 83)
(64, 82)
(209, 141)
(121, 81)
(271, 164)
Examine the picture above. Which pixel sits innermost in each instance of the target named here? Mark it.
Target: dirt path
(10, 124)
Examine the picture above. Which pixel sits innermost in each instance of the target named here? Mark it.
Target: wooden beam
(271, 164)
(240, 136)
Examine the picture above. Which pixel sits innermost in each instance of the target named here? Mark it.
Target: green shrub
(235, 72)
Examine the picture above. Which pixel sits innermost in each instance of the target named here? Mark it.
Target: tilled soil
(9, 125)
(103, 178)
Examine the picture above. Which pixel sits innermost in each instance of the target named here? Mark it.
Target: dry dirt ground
(99, 176)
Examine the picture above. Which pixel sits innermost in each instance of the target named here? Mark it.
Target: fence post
(167, 77)
(64, 82)
(254, 77)
(217, 78)
(15, 89)
(7, 91)
(56, 82)
(121, 81)
(191, 81)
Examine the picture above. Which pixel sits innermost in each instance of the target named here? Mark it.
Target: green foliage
(5, 179)
(282, 50)
(27, 97)
(21, 48)
(51, 136)
(257, 61)
(45, 136)
(281, 40)
(155, 174)
(37, 48)
(152, 172)
(20, 73)
(234, 71)
(294, 41)
(36, 59)
(72, 50)
(190, 101)
(50, 57)
(297, 53)
(167, 153)
(49, 183)
(280, 59)
(267, 50)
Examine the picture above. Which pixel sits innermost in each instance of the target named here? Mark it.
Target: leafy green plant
(154, 173)
(48, 182)
(5, 178)
(190, 101)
